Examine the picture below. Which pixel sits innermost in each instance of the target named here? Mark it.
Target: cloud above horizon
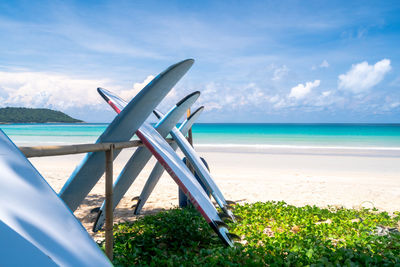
(301, 90)
(279, 73)
(36, 89)
(362, 76)
(56, 91)
(324, 64)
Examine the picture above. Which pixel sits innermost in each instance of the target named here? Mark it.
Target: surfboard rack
(48, 151)
(108, 148)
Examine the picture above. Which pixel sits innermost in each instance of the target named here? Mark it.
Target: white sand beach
(349, 178)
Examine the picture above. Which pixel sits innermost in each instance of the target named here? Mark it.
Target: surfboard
(13, 244)
(158, 169)
(182, 199)
(121, 129)
(36, 227)
(171, 162)
(200, 168)
(184, 178)
(142, 155)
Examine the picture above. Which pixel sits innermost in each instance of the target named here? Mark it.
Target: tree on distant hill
(35, 115)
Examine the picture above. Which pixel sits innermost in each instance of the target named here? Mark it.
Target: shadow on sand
(123, 212)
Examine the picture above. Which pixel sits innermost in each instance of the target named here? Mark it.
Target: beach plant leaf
(272, 233)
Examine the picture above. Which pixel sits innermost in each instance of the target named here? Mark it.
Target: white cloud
(395, 105)
(274, 99)
(363, 76)
(326, 93)
(55, 91)
(324, 64)
(279, 73)
(213, 106)
(36, 89)
(281, 104)
(300, 91)
(246, 97)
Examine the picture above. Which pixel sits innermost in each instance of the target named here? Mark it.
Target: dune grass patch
(272, 234)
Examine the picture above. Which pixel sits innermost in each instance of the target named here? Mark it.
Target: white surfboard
(184, 178)
(158, 169)
(199, 167)
(13, 245)
(179, 173)
(142, 155)
(36, 227)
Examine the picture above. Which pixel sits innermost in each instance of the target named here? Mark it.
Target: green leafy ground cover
(273, 234)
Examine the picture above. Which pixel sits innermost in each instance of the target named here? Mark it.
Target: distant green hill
(35, 115)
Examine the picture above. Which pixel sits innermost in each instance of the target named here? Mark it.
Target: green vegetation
(273, 233)
(35, 115)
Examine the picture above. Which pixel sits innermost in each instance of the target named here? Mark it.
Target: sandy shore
(348, 178)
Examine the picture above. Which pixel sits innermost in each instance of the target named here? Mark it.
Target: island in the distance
(34, 115)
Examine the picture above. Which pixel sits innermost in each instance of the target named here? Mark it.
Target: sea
(230, 135)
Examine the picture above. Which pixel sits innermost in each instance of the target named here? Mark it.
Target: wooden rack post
(109, 202)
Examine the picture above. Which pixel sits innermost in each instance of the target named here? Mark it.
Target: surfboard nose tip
(196, 112)
(194, 95)
(189, 62)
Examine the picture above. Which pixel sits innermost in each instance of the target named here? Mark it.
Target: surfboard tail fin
(95, 210)
(137, 199)
(228, 207)
(221, 224)
(98, 225)
(231, 202)
(137, 207)
(222, 232)
(234, 237)
(223, 216)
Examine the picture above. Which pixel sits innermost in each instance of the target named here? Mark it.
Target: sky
(255, 61)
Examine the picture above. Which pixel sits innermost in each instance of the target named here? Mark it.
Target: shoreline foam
(267, 146)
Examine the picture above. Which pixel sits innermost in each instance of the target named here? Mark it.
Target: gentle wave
(40, 143)
(266, 146)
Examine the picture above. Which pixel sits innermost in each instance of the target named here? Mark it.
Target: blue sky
(256, 61)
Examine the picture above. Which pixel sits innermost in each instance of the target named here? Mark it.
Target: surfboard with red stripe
(158, 169)
(141, 155)
(172, 163)
(199, 167)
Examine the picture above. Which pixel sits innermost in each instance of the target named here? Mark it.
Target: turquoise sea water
(373, 136)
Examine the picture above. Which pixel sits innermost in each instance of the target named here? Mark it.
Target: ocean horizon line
(272, 123)
(278, 123)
